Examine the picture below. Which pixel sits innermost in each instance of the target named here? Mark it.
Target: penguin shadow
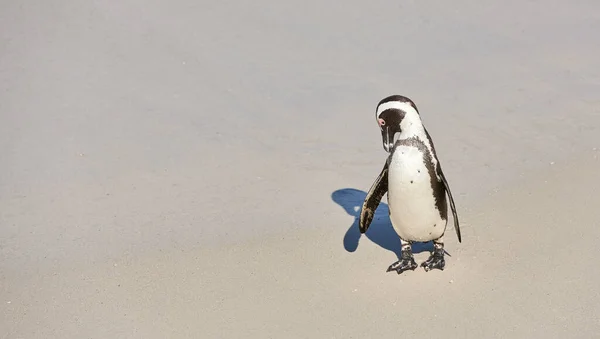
(381, 231)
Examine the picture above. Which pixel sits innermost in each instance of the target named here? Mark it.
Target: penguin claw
(402, 265)
(435, 261)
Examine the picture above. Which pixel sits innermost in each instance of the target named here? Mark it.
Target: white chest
(411, 198)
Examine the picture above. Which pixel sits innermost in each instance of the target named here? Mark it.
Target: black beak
(387, 135)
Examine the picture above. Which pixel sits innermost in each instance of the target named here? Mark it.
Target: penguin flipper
(373, 198)
(454, 214)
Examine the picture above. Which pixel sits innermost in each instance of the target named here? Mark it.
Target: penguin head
(390, 114)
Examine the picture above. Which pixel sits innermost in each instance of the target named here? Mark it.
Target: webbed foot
(406, 262)
(436, 260)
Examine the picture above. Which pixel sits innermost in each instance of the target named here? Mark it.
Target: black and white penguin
(416, 186)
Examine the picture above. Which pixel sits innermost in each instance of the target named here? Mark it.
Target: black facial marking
(439, 192)
(392, 117)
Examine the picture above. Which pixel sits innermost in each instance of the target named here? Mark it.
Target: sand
(189, 170)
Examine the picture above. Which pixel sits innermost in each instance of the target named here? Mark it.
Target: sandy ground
(194, 170)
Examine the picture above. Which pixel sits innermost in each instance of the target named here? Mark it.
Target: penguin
(415, 184)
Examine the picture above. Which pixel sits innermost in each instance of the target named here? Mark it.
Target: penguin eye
(381, 122)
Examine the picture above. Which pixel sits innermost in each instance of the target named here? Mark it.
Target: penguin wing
(454, 214)
(447, 187)
(373, 198)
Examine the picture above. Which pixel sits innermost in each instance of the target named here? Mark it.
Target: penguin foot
(407, 262)
(436, 260)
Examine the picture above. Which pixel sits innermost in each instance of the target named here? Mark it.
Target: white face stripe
(405, 106)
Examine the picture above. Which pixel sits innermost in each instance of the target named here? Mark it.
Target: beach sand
(189, 170)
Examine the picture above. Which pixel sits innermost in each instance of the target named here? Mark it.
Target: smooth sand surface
(193, 170)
